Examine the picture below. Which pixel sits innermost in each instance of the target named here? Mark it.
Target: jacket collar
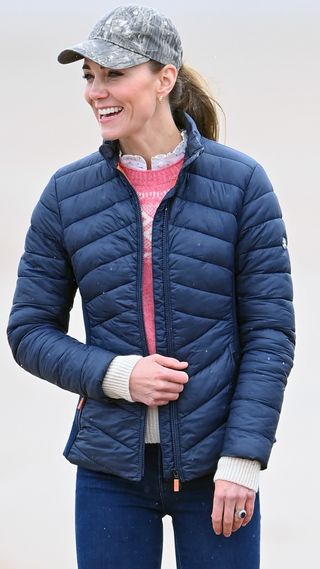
(110, 149)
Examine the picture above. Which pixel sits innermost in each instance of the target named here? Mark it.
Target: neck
(161, 139)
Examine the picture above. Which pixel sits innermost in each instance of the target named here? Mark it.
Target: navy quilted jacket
(223, 302)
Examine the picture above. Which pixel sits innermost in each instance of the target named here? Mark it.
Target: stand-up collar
(110, 149)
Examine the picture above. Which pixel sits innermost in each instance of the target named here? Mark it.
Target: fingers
(229, 520)
(167, 373)
(238, 522)
(249, 509)
(217, 513)
(154, 383)
(167, 392)
(228, 499)
(223, 516)
(172, 375)
(170, 385)
(166, 399)
(171, 363)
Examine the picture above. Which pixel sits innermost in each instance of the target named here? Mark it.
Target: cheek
(143, 102)
(86, 95)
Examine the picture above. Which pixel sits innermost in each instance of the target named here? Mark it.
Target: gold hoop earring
(160, 99)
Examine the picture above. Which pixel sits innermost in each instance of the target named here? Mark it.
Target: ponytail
(191, 95)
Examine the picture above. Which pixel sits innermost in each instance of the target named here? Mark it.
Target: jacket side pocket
(76, 426)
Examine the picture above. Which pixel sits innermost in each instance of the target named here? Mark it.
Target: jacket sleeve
(265, 323)
(39, 318)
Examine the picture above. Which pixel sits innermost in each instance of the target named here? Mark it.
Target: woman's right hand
(156, 380)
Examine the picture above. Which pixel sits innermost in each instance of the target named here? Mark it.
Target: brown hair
(191, 95)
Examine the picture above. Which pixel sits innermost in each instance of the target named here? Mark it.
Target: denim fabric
(119, 522)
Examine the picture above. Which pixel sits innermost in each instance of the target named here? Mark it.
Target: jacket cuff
(240, 471)
(115, 383)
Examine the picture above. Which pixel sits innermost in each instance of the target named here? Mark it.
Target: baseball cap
(128, 36)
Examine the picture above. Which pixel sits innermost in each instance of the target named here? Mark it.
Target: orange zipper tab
(176, 482)
(81, 403)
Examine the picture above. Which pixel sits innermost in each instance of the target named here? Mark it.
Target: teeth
(110, 111)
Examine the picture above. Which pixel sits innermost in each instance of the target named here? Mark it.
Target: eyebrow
(86, 66)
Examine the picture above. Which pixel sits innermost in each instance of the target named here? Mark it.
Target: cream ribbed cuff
(239, 470)
(152, 433)
(115, 383)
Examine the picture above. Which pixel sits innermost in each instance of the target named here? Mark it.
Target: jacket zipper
(140, 308)
(176, 476)
(170, 346)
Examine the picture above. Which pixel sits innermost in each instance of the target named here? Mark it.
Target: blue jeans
(119, 523)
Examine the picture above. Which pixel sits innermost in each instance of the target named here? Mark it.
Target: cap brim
(104, 53)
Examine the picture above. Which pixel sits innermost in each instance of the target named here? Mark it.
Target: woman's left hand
(228, 499)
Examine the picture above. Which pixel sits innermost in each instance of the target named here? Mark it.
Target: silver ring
(240, 514)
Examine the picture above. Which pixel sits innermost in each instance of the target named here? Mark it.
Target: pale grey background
(262, 62)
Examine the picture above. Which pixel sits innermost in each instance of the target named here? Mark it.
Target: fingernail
(216, 531)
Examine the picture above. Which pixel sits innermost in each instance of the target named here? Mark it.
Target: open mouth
(109, 112)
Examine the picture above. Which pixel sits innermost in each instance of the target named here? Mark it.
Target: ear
(167, 78)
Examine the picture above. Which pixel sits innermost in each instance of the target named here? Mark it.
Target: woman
(177, 246)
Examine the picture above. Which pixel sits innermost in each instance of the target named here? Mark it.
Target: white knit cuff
(115, 383)
(152, 434)
(240, 471)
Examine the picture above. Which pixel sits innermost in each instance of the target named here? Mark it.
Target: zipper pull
(176, 481)
(81, 403)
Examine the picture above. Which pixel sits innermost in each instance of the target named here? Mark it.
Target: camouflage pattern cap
(128, 36)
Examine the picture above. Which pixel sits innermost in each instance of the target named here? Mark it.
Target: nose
(98, 89)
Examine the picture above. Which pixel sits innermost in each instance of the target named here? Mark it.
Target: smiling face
(124, 101)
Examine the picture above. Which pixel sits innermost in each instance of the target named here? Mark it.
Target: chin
(108, 137)
(111, 134)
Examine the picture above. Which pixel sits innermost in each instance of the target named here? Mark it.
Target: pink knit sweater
(151, 187)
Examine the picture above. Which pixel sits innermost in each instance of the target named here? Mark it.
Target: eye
(115, 73)
(87, 76)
